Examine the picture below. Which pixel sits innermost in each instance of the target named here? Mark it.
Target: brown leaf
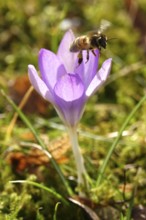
(87, 209)
(35, 103)
(21, 161)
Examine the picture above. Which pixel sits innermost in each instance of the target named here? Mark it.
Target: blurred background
(25, 28)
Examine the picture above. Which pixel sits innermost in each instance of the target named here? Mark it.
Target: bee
(93, 40)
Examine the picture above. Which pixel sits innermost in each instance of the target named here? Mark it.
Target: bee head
(102, 40)
(99, 41)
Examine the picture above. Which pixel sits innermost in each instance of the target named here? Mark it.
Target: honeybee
(93, 40)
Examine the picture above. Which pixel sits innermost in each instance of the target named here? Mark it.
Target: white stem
(81, 171)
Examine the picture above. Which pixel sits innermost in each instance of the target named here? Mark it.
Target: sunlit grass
(112, 140)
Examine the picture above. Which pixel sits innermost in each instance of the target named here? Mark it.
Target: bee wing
(104, 25)
(93, 32)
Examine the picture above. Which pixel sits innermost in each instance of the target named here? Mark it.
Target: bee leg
(80, 57)
(87, 56)
(94, 52)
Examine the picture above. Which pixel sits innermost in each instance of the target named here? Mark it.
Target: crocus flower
(68, 85)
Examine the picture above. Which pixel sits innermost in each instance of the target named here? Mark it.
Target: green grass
(111, 132)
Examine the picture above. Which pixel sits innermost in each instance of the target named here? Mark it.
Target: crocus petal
(69, 87)
(70, 97)
(71, 113)
(87, 69)
(50, 67)
(91, 67)
(66, 57)
(99, 78)
(38, 84)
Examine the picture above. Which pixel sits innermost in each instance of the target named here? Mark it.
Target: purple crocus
(68, 85)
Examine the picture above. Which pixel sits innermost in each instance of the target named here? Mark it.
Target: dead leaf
(33, 157)
(35, 103)
(86, 208)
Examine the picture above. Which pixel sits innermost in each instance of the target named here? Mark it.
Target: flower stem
(81, 171)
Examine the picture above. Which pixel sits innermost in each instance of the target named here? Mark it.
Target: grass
(38, 181)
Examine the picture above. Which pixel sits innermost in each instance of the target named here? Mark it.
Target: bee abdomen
(74, 46)
(80, 43)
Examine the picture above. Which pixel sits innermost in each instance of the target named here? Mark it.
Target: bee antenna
(113, 38)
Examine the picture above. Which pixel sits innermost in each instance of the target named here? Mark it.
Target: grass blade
(113, 146)
(54, 193)
(36, 135)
